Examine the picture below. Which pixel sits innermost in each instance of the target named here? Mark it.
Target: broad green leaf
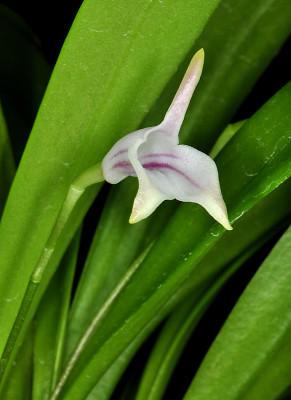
(250, 358)
(7, 167)
(50, 325)
(113, 54)
(18, 385)
(251, 231)
(191, 233)
(24, 74)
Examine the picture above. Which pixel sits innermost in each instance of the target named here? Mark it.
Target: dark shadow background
(50, 21)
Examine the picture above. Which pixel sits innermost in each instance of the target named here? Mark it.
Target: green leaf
(7, 167)
(250, 359)
(50, 325)
(191, 233)
(114, 53)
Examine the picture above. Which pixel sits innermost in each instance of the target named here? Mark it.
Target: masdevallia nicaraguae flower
(165, 169)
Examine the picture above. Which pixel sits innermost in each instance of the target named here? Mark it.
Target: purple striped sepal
(166, 170)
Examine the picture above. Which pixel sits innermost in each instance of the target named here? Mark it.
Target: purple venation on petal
(122, 164)
(119, 152)
(159, 155)
(126, 165)
(155, 165)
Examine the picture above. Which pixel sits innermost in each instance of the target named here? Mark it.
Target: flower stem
(87, 178)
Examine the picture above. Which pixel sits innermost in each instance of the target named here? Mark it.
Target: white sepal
(166, 170)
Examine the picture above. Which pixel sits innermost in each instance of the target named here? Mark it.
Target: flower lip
(166, 170)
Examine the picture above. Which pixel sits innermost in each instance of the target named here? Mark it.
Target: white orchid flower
(165, 169)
